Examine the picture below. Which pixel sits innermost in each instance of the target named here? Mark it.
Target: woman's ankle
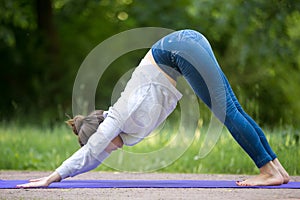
(283, 172)
(269, 169)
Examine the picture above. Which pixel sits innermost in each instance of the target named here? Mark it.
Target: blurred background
(43, 43)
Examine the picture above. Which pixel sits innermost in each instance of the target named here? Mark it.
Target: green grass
(228, 157)
(32, 148)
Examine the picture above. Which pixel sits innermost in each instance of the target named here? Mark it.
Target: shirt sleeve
(93, 153)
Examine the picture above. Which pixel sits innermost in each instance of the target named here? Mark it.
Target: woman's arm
(85, 159)
(93, 153)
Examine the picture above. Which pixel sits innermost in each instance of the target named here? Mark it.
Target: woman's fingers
(40, 183)
(26, 185)
(34, 183)
(36, 179)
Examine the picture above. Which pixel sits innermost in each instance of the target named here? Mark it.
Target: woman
(152, 85)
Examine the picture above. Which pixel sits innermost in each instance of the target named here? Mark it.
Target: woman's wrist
(54, 177)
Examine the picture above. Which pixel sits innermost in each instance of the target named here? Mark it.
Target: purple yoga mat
(11, 184)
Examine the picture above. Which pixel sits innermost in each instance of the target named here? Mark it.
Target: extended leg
(260, 133)
(203, 74)
(192, 54)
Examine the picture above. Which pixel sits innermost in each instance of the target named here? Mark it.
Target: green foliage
(256, 43)
(32, 148)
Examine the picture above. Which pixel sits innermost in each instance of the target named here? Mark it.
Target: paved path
(144, 193)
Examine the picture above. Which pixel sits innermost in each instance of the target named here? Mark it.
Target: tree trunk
(47, 29)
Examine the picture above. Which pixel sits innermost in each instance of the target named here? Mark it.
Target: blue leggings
(188, 53)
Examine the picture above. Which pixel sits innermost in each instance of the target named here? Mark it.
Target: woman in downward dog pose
(151, 95)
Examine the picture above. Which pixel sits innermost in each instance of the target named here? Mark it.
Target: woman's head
(85, 126)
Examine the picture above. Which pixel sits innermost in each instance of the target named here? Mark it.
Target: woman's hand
(34, 183)
(41, 182)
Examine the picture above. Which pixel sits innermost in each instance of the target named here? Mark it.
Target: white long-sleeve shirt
(147, 100)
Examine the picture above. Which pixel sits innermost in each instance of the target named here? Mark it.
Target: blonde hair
(85, 126)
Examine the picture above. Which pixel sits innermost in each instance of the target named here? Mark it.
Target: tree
(43, 42)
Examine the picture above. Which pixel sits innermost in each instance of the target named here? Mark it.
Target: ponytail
(85, 126)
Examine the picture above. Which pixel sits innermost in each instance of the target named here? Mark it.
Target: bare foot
(269, 175)
(283, 172)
